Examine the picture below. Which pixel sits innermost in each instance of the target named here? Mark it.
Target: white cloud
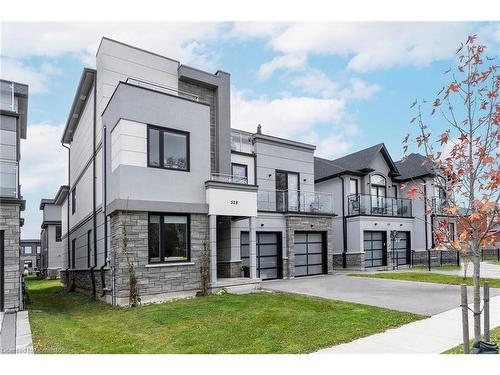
(288, 62)
(181, 41)
(37, 79)
(317, 83)
(331, 146)
(253, 30)
(43, 159)
(371, 46)
(284, 117)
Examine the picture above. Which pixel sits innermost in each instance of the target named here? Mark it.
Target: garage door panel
(301, 271)
(374, 249)
(268, 262)
(300, 260)
(267, 238)
(300, 237)
(300, 248)
(268, 250)
(271, 273)
(315, 258)
(315, 248)
(315, 270)
(268, 246)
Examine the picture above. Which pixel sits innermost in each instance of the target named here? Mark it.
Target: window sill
(154, 265)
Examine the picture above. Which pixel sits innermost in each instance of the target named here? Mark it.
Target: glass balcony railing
(229, 178)
(241, 142)
(364, 204)
(8, 102)
(8, 179)
(294, 201)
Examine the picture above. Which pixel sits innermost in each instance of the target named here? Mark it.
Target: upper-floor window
(168, 148)
(378, 185)
(239, 173)
(73, 201)
(58, 233)
(27, 250)
(353, 188)
(38, 249)
(241, 142)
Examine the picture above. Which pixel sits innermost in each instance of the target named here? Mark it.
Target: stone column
(212, 235)
(253, 248)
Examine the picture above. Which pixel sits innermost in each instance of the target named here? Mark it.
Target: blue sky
(341, 86)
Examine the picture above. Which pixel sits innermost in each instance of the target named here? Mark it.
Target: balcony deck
(372, 205)
(293, 201)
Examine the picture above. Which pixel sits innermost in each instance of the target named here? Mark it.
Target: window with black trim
(58, 233)
(168, 148)
(168, 238)
(354, 186)
(239, 173)
(73, 200)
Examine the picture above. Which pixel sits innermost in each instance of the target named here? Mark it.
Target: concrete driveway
(421, 298)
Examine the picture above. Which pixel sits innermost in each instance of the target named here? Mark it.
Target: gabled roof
(414, 166)
(357, 163)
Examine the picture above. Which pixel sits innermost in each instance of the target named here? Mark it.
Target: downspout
(425, 215)
(67, 211)
(104, 211)
(344, 227)
(94, 191)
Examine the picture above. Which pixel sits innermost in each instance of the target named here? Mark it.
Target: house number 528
(234, 202)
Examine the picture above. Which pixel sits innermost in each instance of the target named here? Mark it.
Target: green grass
(436, 268)
(427, 277)
(494, 337)
(263, 322)
(495, 263)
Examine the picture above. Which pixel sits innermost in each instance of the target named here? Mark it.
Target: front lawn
(437, 268)
(427, 277)
(494, 337)
(252, 323)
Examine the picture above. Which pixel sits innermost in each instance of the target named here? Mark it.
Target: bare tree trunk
(476, 295)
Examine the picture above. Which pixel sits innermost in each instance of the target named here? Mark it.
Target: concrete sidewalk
(429, 336)
(15, 333)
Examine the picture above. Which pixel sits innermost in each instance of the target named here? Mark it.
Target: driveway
(421, 298)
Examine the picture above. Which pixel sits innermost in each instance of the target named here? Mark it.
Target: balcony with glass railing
(8, 179)
(228, 178)
(241, 142)
(295, 201)
(440, 206)
(372, 205)
(8, 101)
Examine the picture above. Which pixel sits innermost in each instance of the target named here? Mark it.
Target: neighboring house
(51, 257)
(13, 121)
(29, 254)
(152, 156)
(377, 225)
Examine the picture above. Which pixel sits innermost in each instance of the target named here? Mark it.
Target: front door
(402, 249)
(375, 247)
(287, 191)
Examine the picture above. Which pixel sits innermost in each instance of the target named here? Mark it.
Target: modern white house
(13, 122)
(377, 225)
(153, 158)
(51, 255)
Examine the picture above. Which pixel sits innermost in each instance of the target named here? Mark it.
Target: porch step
(237, 285)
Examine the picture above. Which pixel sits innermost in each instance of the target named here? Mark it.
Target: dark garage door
(375, 248)
(402, 248)
(310, 250)
(268, 254)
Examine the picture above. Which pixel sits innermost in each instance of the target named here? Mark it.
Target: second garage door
(268, 254)
(310, 250)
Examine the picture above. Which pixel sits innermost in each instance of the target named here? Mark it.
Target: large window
(378, 185)
(168, 149)
(168, 236)
(73, 200)
(27, 250)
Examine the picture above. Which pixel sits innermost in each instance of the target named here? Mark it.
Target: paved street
(421, 298)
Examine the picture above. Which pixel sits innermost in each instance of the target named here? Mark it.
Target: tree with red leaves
(466, 153)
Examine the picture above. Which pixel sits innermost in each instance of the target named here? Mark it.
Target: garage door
(310, 250)
(1, 270)
(375, 249)
(401, 248)
(268, 254)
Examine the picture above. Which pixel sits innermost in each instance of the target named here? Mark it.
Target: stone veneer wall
(353, 261)
(309, 223)
(82, 281)
(9, 223)
(207, 96)
(157, 282)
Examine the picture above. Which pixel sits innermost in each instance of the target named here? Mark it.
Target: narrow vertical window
(154, 238)
(354, 186)
(154, 148)
(73, 200)
(58, 233)
(73, 252)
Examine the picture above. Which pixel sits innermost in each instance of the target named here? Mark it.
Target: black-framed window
(168, 148)
(73, 252)
(395, 191)
(378, 185)
(169, 238)
(58, 233)
(451, 231)
(73, 200)
(89, 248)
(354, 187)
(239, 172)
